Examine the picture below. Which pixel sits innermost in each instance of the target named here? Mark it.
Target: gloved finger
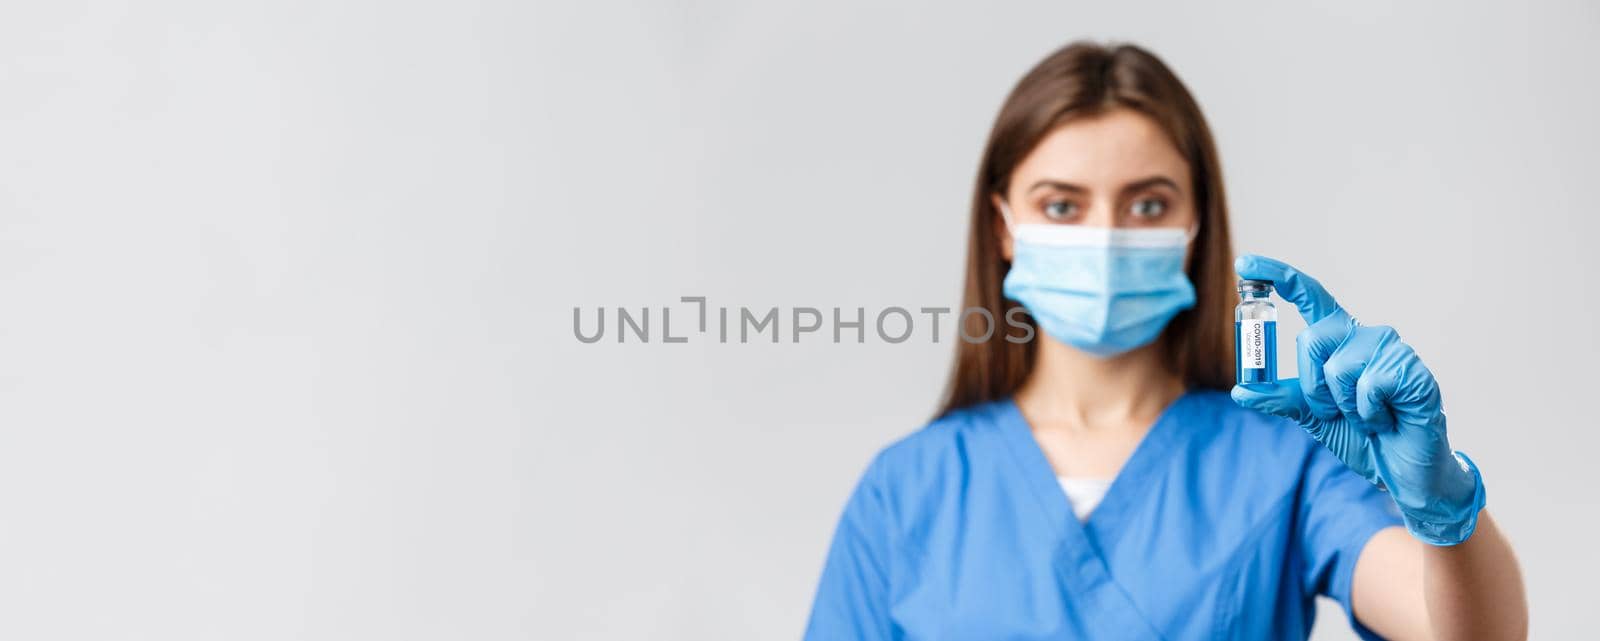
(1278, 399)
(1308, 295)
(1412, 393)
(1373, 390)
(1313, 348)
(1283, 399)
(1344, 369)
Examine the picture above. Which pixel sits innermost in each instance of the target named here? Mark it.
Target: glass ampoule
(1255, 334)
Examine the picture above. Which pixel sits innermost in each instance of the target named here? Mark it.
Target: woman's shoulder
(1209, 423)
(1217, 421)
(952, 426)
(945, 441)
(1203, 411)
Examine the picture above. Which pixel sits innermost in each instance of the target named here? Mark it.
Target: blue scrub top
(1225, 523)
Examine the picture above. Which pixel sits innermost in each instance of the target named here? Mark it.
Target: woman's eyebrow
(1142, 183)
(1057, 184)
(1146, 183)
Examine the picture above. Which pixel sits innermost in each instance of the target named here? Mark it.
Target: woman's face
(1114, 169)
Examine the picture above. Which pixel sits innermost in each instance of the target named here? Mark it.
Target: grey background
(286, 348)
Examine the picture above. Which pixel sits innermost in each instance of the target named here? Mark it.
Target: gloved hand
(1367, 397)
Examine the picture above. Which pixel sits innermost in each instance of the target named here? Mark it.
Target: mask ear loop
(1005, 215)
(1194, 230)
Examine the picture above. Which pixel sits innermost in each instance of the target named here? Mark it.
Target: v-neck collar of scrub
(1127, 486)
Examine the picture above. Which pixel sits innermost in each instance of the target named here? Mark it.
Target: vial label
(1253, 344)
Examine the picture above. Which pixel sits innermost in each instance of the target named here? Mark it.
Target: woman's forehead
(1104, 150)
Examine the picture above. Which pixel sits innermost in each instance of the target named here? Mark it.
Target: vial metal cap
(1252, 285)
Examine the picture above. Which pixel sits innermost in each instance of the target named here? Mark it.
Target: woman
(1095, 482)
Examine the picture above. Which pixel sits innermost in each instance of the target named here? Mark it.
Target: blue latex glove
(1367, 397)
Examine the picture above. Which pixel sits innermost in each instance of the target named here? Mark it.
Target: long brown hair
(1079, 80)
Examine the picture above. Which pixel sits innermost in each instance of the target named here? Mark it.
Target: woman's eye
(1149, 207)
(1060, 210)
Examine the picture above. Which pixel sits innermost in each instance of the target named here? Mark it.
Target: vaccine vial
(1255, 334)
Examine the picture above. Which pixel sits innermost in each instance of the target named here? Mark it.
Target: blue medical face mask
(1104, 291)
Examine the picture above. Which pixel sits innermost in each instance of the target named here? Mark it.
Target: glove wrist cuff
(1450, 525)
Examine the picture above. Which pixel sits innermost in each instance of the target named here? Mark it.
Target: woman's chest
(1166, 567)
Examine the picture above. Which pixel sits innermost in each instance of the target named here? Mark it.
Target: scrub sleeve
(852, 599)
(1339, 513)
